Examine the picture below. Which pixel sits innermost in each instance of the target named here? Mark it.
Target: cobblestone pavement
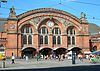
(33, 63)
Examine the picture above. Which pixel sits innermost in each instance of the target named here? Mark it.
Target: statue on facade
(83, 17)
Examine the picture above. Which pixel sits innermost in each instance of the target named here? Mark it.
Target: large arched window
(26, 29)
(54, 39)
(24, 39)
(26, 35)
(41, 39)
(43, 35)
(56, 36)
(71, 36)
(29, 39)
(46, 39)
(58, 40)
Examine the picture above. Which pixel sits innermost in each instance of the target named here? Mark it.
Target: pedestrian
(13, 59)
(59, 57)
(26, 58)
(38, 56)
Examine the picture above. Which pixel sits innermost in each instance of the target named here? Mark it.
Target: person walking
(13, 59)
(26, 58)
(38, 56)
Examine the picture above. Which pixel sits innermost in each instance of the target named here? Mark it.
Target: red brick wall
(82, 38)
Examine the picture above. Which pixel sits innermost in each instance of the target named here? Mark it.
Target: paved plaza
(34, 64)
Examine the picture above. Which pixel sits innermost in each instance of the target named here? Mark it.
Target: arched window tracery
(56, 36)
(71, 36)
(26, 35)
(43, 35)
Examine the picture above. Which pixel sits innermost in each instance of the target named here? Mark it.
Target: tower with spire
(12, 14)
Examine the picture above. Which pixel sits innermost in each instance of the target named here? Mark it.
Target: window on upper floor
(43, 35)
(71, 36)
(26, 35)
(56, 36)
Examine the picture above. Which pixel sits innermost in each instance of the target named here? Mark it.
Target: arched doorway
(30, 52)
(46, 51)
(94, 48)
(60, 51)
(76, 49)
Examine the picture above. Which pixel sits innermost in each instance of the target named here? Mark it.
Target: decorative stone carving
(36, 20)
(63, 21)
(66, 23)
(70, 24)
(83, 17)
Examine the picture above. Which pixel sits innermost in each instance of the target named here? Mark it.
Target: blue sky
(66, 5)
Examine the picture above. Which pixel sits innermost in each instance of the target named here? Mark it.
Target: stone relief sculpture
(65, 22)
(37, 20)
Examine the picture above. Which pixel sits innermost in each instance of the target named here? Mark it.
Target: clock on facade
(12, 26)
(50, 23)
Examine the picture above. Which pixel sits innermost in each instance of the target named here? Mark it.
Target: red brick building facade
(44, 30)
(95, 43)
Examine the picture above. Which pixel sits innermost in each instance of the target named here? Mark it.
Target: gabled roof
(2, 21)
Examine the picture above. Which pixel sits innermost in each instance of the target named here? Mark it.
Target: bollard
(3, 64)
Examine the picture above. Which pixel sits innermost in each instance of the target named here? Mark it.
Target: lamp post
(73, 57)
(3, 1)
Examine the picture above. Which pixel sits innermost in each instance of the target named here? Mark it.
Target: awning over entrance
(95, 52)
(59, 48)
(44, 48)
(74, 48)
(27, 48)
(87, 52)
(55, 48)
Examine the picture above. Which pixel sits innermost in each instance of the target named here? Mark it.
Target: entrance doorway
(46, 51)
(76, 49)
(60, 51)
(30, 52)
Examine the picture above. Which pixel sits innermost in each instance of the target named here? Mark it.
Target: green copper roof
(94, 29)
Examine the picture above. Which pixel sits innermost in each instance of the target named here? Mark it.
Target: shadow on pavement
(73, 68)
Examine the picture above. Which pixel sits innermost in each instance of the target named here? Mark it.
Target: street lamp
(3, 1)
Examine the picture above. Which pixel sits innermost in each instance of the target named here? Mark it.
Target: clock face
(50, 23)
(12, 26)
